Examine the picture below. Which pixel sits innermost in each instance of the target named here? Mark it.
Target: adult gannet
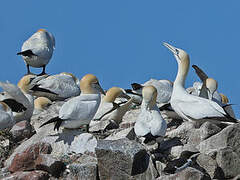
(150, 123)
(164, 89)
(38, 50)
(42, 103)
(109, 110)
(190, 107)
(81, 109)
(56, 87)
(18, 98)
(6, 116)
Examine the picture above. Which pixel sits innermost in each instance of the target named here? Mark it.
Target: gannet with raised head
(38, 49)
(81, 109)
(18, 98)
(150, 123)
(56, 87)
(190, 107)
(111, 110)
(6, 116)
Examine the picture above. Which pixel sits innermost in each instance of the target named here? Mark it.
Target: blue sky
(121, 41)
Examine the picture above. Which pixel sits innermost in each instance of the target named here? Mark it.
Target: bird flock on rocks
(86, 103)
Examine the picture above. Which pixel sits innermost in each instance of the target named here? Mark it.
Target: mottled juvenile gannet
(6, 116)
(190, 107)
(38, 49)
(56, 87)
(81, 109)
(108, 109)
(150, 123)
(19, 99)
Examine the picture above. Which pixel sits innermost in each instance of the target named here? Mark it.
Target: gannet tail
(28, 53)
(55, 119)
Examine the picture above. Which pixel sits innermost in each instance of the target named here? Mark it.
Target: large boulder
(28, 175)
(123, 159)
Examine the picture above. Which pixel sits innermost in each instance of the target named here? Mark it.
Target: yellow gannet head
(4, 106)
(42, 103)
(211, 85)
(113, 93)
(24, 83)
(89, 85)
(42, 30)
(224, 98)
(149, 94)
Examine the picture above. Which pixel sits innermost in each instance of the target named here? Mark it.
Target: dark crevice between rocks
(140, 163)
(97, 171)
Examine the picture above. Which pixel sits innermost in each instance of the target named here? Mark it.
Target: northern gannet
(18, 98)
(38, 49)
(42, 103)
(190, 107)
(81, 109)
(6, 116)
(150, 123)
(56, 87)
(109, 110)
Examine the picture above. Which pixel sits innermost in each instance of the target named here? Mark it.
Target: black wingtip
(136, 86)
(55, 119)
(28, 53)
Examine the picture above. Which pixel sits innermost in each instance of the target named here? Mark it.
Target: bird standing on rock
(38, 49)
(81, 109)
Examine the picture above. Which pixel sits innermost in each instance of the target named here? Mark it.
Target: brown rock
(26, 159)
(29, 175)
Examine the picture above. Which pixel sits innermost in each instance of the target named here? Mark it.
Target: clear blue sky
(121, 41)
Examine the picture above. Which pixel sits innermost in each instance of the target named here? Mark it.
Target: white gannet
(18, 98)
(56, 87)
(190, 107)
(6, 116)
(109, 110)
(38, 49)
(150, 123)
(81, 109)
(164, 89)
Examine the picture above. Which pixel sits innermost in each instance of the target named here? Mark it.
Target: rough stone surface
(121, 159)
(49, 164)
(229, 162)
(227, 137)
(125, 133)
(210, 165)
(28, 175)
(186, 174)
(207, 130)
(176, 150)
(22, 130)
(85, 167)
(25, 160)
(102, 125)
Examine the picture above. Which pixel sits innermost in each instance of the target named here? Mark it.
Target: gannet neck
(149, 97)
(112, 94)
(183, 67)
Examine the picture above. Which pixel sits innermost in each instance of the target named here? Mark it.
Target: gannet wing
(202, 75)
(15, 92)
(104, 109)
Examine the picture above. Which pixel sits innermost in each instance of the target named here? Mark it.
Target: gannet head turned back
(183, 62)
(41, 103)
(89, 85)
(25, 81)
(149, 94)
(211, 85)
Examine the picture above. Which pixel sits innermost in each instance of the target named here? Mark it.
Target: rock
(237, 177)
(49, 164)
(187, 174)
(227, 137)
(122, 159)
(28, 175)
(26, 160)
(62, 142)
(177, 150)
(22, 130)
(170, 143)
(229, 162)
(210, 165)
(85, 167)
(125, 133)
(208, 129)
(102, 125)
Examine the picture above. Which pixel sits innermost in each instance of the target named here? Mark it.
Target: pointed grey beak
(100, 89)
(171, 48)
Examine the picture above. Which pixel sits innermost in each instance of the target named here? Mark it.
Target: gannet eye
(177, 51)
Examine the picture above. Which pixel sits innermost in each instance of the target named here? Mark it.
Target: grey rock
(187, 174)
(208, 129)
(123, 159)
(229, 162)
(125, 133)
(46, 162)
(102, 125)
(177, 150)
(28, 175)
(227, 137)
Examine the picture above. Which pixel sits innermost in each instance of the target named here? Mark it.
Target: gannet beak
(124, 95)
(100, 89)
(171, 48)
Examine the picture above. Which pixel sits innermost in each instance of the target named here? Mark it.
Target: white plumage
(6, 116)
